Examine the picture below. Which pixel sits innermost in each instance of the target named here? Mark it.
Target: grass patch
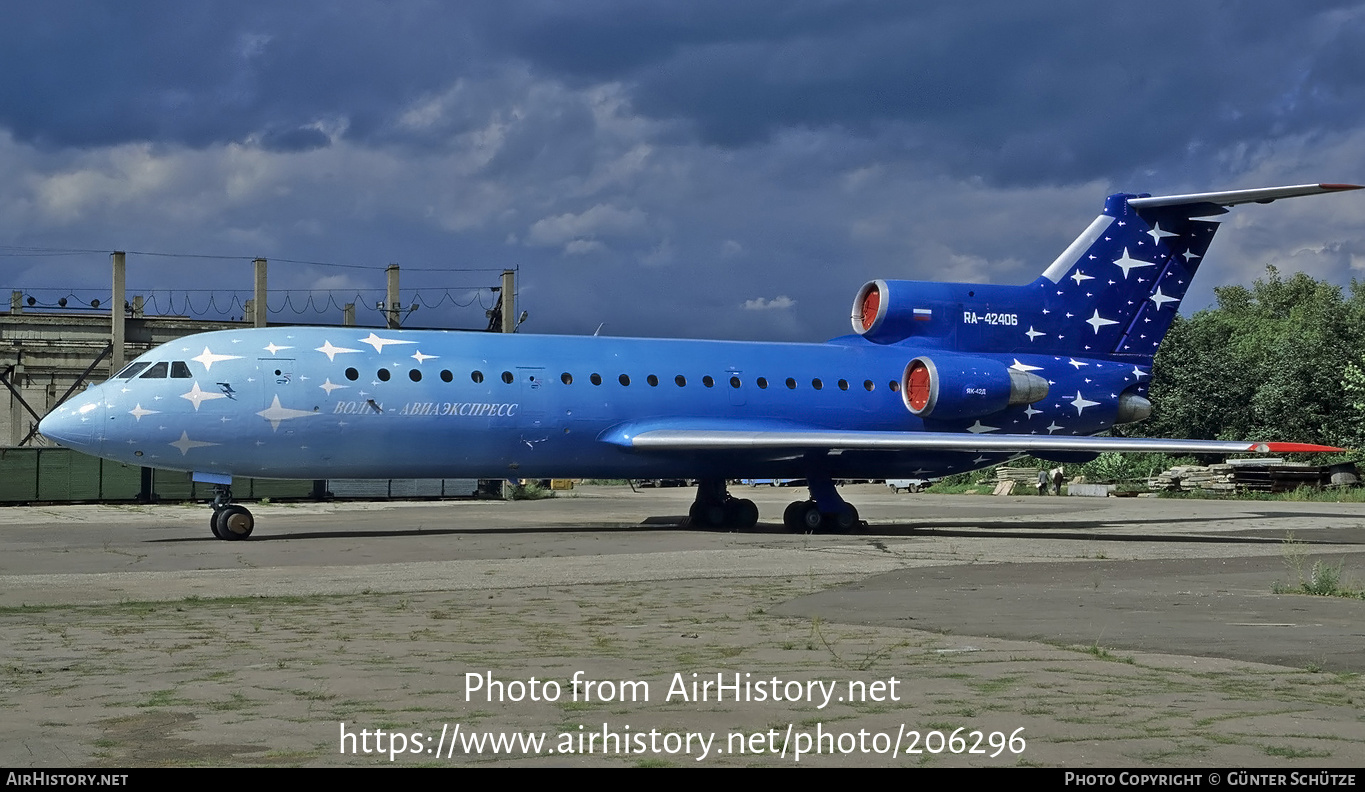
(1320, 580)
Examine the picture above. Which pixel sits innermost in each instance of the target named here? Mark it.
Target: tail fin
(1112, 293)
(1115, 290)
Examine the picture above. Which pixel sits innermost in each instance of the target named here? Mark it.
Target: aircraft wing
(787, 440)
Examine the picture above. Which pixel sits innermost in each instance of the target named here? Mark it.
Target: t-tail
(1111, 294)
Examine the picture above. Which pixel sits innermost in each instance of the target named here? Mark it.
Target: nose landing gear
(230, 521)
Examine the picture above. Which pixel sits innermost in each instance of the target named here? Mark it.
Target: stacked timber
(1018, 475)
(1210, 478)
(1254, 475)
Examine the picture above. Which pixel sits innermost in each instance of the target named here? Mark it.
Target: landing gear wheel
(234, 522)
(791, 518)
(213, 523)
(843, 521)
(812, 520)
(743, 513)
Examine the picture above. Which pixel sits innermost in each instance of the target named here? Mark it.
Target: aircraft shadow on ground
(1089, 531)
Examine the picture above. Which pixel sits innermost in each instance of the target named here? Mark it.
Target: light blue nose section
(78, 424)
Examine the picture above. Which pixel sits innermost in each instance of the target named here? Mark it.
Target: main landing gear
(230, 520)
(825, 512)
(717, 508)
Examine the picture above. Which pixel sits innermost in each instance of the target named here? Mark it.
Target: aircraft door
(533, 392)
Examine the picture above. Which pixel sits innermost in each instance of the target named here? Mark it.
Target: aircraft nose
(75, 424)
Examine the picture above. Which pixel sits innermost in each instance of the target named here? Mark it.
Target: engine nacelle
(945, 387)
(890, 311)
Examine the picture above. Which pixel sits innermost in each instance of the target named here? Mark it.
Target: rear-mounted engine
(945, 387)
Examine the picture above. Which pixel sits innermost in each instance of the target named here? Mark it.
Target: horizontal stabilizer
(1234, 197)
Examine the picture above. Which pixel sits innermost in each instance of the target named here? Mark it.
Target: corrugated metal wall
(61, 475)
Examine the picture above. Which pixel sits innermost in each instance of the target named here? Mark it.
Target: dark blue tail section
(1116, 289)
(1112, 293)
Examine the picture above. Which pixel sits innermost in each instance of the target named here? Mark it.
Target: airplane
(936, 379)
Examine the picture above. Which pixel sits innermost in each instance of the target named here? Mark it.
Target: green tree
(1268, 363)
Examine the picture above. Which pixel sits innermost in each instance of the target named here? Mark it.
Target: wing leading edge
(665, 440)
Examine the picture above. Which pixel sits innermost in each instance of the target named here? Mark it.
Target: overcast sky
(710, 169)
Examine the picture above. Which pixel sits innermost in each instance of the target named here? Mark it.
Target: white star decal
(1081, 276)
(332, 351)
(198, 397)
(1097, 322)
(137, 412)
(1161, 299)
(277, 412)
(1032, 334)
(1189, 256)
(330, 386)
(1077, 363)
(1080, 403)
(1024, 366)
(977, 428)
(420, 358)
(1127, 263)
(1030, 412)
(208, 358)
(272, 349)
(185, 443)
(1138, 373)
(1052, 427)
(1157, 234)
(379, 343)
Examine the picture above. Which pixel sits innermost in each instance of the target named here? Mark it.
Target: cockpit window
(131, 370)
(180, 370)
(157, 371)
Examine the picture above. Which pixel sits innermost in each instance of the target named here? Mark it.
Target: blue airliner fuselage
(938, 378)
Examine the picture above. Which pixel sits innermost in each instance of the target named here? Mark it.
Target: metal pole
(391, 299)
(509, 301)
(117, 335)
(258, 318)
(348, 315)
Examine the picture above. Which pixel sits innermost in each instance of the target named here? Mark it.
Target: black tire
(843, 521)
(812, 520)
(744, 513)
(213, 523)
(235, 522)
(791, 518)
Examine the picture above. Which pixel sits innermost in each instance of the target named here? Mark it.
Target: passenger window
(180, 370)
(596, 379)
(446, 376)
(652, 380)
(681, 380)
(843, 384)
(507, 377)
(894, 386)
(566, 378)
(352, 374)
(625, 379)
(131, 371)
(383, 375)
(762, 382)
(157, 371)
(707, 381)
(791, 383)
(817, 384)
(734, 382)
(868, 386)
(477, 376)
(415, 375)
